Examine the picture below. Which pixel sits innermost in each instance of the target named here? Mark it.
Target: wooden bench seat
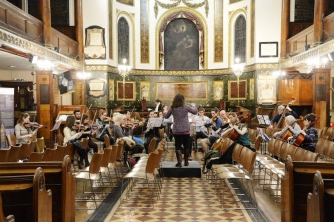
(297, 182)
(58, 178)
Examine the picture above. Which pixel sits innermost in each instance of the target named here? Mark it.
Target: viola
(33, 124)
(79, 127)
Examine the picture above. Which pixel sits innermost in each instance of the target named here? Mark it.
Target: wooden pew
(319, 203)
(3, 218)
(58, 178)
(296, 184)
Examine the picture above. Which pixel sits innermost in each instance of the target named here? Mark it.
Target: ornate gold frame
(147, 85)
(218, 88)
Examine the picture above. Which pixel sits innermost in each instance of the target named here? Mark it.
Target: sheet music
(154, 122)
(62, 117)
(264, 119)
(264, 136)
(57, 124)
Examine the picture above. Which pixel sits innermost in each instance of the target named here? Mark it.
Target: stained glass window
(123, 41)
(240, 39)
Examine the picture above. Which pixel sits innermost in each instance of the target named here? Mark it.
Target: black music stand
(55, 128)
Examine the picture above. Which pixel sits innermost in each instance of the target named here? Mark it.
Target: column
(319, 14)
(285, 25)
(45, 12)
(79, 28)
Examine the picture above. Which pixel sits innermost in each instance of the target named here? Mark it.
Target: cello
(280, 123)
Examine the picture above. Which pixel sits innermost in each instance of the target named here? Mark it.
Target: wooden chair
(59, 153)
(92, 175)
(49, 154)
(4, 155)
(299, 155)
(24, 151)
(11, 139)
(35, 157)
(32, 146)
(106, 140)
(112, 160)
(14, 152)
(60, 139)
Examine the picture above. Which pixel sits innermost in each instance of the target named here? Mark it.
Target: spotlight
(33, 59)
(331, 56)
(306, 47)
(57, 49)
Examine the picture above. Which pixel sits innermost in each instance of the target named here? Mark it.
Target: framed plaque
(218, 90)
(145, 91)
(96, 87)
(268, 49)
(190, 90)
(235, 88)
(127, 91)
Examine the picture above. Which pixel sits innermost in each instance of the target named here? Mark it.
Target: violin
(214, 119)
(79, 127)
(33, 124)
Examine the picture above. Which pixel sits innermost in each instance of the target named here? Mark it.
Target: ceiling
(7, 60)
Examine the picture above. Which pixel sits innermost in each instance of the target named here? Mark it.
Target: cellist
(290, 125)
(280, 111)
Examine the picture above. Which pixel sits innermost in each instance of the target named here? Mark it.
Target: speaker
(33, 59)
(331, 56)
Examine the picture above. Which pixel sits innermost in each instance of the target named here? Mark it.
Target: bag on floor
(210, 154)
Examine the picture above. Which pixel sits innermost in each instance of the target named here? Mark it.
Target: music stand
(264, 120)
(56, 127)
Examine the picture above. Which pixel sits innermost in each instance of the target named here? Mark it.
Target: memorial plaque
(126, 93)
(233, 90)
(190, 90)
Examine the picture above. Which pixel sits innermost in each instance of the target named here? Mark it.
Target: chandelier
(237, 67)
(83, 75)
(278, 74)
(46, 65)
(316, 63)
(124, 70)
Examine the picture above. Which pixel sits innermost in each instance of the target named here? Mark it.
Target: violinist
(310, 133)
(88, 131)
(103, 127)
(77, 115)
(71, 136)
(280, 111)
(150, 131)
(129, 125)
(237, 123)
(291, 125)
(216, 123)
(22, 132)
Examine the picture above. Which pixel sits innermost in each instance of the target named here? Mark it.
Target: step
(193, 170)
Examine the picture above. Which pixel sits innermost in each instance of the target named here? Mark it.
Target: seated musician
(237, 123)
(280, 111)
(310, 133)
(168, 123)
(104, 127)
(77, 115)
(88, 131)
(150, 131)
(290, 125)
(118, 132)
(129, 128)
(71, 136)
(216, 123)
(23, 131)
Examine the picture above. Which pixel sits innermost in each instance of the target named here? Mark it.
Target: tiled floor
(185, 199)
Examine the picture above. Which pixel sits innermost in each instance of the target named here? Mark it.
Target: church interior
(251, 57)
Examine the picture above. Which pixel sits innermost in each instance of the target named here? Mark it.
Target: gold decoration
(219, 31)
(111, 47)
(144, 32)
(173, 5)
(250, 68)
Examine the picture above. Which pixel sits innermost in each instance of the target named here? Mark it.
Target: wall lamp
(306, 47)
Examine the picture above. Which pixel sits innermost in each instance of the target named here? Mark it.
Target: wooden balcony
(18, 22)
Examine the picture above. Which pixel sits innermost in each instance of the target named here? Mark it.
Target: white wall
(268, 26)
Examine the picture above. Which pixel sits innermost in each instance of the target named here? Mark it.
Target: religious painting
(190, 90)
(145, 91)
(266, 89)
(126, 2)
(111, 90)
(218, 90)
(95, 47)
(126, 92)
(251, 89)
(181, 45)
(237, 90)
(96, 88)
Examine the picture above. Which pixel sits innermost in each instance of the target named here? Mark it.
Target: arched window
(240, 39)
(123, 41)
